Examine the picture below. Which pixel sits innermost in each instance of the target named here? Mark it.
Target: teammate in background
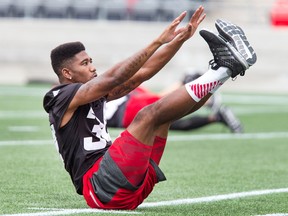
(121, 112)
(120, 175)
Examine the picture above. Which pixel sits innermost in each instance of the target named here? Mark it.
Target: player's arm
(103, 84)
(149, 69)
(160, 58)
(164, 55)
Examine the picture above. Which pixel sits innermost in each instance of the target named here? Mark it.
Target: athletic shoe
(236, 36)
(227, 117)
(225, 54)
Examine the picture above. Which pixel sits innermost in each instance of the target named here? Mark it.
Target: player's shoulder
(59, 93)
(63, 88)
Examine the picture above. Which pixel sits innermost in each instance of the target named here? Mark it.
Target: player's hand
(170, 32)
(193, 24)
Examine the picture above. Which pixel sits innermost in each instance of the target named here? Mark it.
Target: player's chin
(92, 78)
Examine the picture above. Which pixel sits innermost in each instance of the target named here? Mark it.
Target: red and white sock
(209, 82)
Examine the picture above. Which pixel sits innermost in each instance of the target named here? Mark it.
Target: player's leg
(159, 142)
(228, 118)
(174, 106)
(131, 156)
(228, 62)
(136, 102)
(177, 104)
(193, 122)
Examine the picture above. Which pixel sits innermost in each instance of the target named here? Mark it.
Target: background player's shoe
(236, 36)
(226, 115)
(225, 54)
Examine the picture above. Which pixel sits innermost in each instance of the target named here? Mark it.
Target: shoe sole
(212, 37)
(235, 35)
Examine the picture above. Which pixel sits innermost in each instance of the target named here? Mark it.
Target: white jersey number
(100, 132)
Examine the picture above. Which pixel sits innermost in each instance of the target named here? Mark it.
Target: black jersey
(84, 139)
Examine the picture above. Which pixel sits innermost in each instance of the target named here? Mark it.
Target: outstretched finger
(201, 19)
(177, 20)
(181, 16)
(198, 15)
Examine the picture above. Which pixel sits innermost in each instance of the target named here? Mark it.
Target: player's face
(82, 69)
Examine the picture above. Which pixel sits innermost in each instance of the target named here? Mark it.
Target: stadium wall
(25, 46)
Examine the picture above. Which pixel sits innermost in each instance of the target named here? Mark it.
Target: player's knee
(145, 116)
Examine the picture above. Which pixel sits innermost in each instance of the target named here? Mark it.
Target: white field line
(23, 91)
(23, 114)
(53, 211)
(190, 137)
(25, 128)
(255, 99)
(25, 142)
(270, 101)
(276, 214)
(232, 98)
(238, 110)
(249, 110)
(244, 136)
(214, 198)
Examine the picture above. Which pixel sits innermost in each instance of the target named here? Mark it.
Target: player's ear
(66, 73)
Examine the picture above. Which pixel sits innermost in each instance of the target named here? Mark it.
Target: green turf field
(210, 171)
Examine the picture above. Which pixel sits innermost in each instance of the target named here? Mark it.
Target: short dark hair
(64, 52)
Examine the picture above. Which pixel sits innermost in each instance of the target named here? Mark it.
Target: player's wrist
(158, 42)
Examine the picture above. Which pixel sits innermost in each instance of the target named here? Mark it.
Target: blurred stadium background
(114, 29)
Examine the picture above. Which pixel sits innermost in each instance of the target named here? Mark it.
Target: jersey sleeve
(57, 101)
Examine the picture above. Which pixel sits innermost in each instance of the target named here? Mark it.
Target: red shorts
(109, 183)
(137, 100)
